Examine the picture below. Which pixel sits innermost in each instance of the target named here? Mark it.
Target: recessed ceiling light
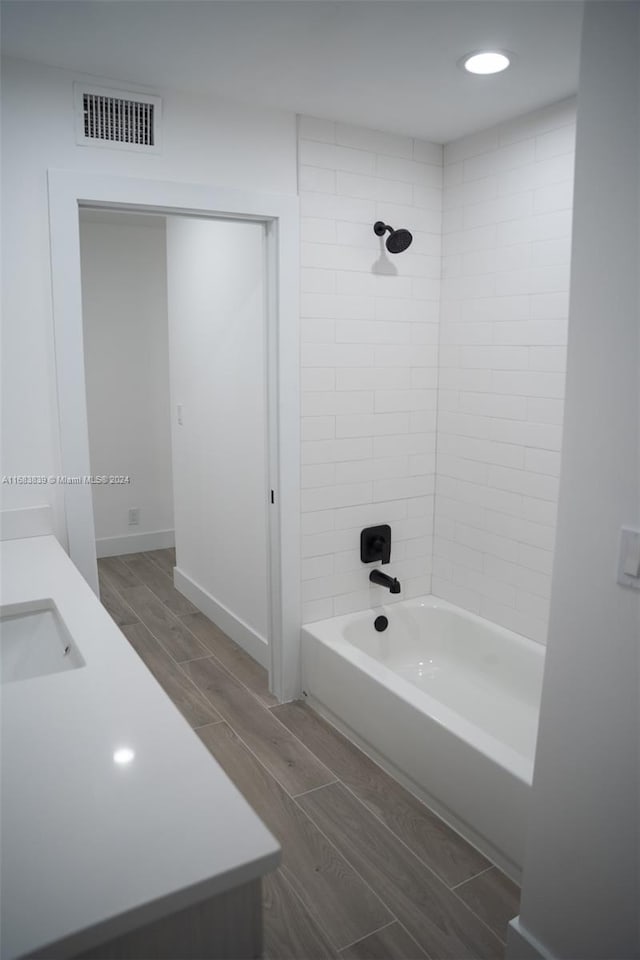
(486, 62)
(123, 756)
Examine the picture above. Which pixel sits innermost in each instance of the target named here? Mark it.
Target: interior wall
(580, 889)
(204, 141)
(217, 348)
(369, 331)
(508, 195)
(126, 345)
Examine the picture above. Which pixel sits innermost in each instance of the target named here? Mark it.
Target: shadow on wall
(383, 266)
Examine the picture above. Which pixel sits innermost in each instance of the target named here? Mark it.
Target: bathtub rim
(328, 632)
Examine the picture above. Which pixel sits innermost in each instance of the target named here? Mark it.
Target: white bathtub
(447, 701)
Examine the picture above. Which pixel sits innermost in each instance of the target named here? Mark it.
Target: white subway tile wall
(462, 337)
(369, 331)
(507, 205)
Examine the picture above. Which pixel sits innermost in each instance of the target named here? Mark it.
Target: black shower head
(397, 241)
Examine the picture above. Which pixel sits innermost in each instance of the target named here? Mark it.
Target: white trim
(26, 522)
(135, 543)
(521, 945)
(68, 190)
(239, 631)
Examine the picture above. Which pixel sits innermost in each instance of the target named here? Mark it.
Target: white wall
(580, 891)
(369, 360)
(204, 141)
(506, 249)
(124, 311)
(369, 352)
(217, 348)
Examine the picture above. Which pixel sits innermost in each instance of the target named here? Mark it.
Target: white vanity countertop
(92, 849)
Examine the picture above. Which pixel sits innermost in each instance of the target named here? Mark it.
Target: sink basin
(34, 641)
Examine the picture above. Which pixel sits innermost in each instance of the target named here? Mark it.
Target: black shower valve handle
(375, 544)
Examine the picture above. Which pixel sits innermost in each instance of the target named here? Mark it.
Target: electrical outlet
(134, 516)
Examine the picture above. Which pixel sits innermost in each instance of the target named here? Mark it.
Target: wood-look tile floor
(368, 872)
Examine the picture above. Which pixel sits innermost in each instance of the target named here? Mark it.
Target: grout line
(159, 641)
(176, 664)
(171, 656)
(295, 796)
(257, 757)
(149, 586)
(411, 853)
(211, 656)
(211, 723)
(479, 918)
(428, 956)
(260, 704)
(343, 855)
(122, 601)
(208, 656)
(474, 877)
(395, 835)
(179, 663)
(305, 814)
(425, 864)
(437, 388)
(154, 561)
(381, 821)
(212, 702)
(333, 846)
(226, 669)
(111, 581)
(360, 939)
(312, 917)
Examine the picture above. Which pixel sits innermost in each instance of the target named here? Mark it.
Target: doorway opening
(174, 332)
(232, 405)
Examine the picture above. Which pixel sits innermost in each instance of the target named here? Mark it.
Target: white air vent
(117, 119)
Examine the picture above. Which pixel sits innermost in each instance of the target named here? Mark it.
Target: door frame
(68, 191)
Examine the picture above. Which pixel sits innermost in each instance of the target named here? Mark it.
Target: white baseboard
(135, 543)
(521, 945)
(239, 631)
(26, 522)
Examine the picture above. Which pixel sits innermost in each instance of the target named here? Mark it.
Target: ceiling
(386, 64)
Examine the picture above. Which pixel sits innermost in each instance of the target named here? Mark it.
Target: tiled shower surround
(433, 380)
(369, 359)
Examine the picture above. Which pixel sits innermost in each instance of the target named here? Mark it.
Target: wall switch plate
(134, 516)
(629, 558)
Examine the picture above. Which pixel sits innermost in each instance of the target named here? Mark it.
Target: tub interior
(489, 676)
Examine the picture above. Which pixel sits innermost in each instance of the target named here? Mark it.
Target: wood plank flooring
(368, 872)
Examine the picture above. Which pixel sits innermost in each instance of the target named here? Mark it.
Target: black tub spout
(391, 583)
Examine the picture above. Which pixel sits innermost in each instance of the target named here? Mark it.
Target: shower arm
(380, 228)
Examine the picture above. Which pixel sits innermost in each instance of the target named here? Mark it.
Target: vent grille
(117, 120)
